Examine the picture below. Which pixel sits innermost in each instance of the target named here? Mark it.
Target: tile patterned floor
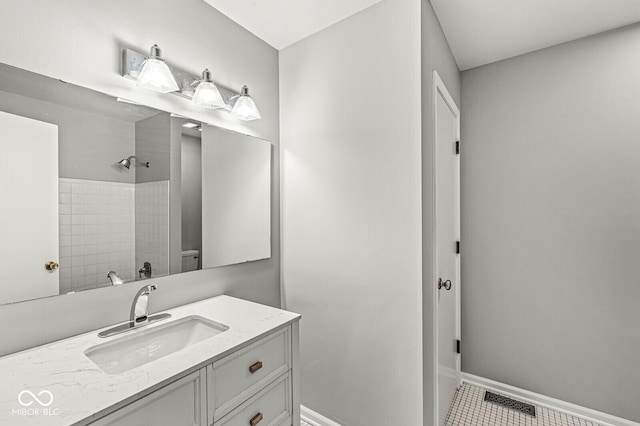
(470, 409)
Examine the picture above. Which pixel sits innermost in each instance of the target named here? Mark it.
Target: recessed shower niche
(74, 211)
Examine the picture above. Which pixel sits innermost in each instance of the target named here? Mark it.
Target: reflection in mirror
(191, 192)
(104, 191)
(238, 177)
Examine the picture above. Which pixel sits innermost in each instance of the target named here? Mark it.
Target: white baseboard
(548, 402)
(316, 419)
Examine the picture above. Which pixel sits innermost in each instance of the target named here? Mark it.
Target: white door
(28, 208)
(447, 234)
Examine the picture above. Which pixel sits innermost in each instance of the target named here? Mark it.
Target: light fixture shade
(245, 108)
(207, 94)
(156, 75)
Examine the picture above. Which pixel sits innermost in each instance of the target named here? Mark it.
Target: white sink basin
(148, 344)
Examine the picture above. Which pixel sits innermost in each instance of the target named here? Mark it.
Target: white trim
(601, 418)
(295, 372)
(316, 419)
(439, 89)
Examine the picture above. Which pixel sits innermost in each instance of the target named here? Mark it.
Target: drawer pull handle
(255, 419)
(255, 367)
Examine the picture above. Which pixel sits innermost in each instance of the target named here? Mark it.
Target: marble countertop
(81, 393)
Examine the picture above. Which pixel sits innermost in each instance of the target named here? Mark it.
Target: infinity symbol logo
(28, 403)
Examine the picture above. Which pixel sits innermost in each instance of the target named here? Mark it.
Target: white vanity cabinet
(251, 386)
(245, 374)
(271, 406)
(178, 404)
(236, 378)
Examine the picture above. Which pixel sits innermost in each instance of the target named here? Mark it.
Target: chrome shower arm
(139, 162)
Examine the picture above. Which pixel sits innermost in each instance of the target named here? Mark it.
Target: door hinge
(458, 346)
(457, 247)
(457, 147)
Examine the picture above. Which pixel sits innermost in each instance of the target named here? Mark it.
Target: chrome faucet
(115, 279)
(139, 311)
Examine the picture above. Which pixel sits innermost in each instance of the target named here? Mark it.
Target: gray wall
(153, 145)
(83, 42)
(436, 55)
(551, 222)
(351, 214)
(191, 193)
(89, 144)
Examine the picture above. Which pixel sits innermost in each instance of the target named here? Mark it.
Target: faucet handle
(152, 287)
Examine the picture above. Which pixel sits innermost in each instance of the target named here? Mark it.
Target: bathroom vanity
(220, 361)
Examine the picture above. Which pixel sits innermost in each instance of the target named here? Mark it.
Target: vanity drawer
(240, 375)
(177, 404)
(269, 407)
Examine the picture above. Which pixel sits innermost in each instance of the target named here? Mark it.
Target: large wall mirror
(98, 191)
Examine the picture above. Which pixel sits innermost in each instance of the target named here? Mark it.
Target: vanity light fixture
(126, 162)
(155, 74)
(207, 94)
(190, 125)
(245, 108)
(199, 90)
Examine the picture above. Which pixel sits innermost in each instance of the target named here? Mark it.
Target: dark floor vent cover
(510, 403)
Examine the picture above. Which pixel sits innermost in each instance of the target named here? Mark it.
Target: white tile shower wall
(97, 229)
(152, 226)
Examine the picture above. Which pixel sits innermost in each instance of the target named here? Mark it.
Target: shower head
(126, 162)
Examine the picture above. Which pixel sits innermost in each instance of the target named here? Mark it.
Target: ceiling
(284, 22)
(481, 32)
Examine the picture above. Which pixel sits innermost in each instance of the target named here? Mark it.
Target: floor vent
(523, 407)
